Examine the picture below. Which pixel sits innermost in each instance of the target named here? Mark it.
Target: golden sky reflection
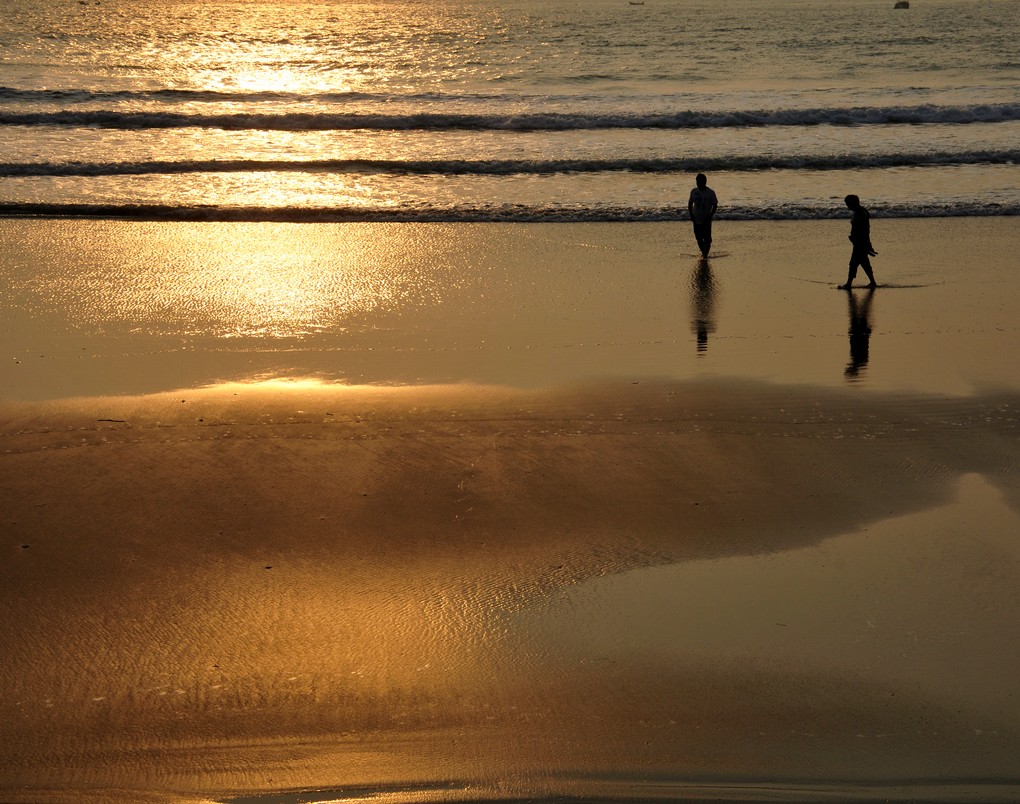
(920, 612)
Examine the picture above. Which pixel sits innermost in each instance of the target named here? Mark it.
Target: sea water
(519, 110)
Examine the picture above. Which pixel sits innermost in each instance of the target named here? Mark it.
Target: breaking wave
(517, 121)
(508, 167)
(495, 213)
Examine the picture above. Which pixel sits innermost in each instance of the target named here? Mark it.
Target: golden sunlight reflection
(283, 61)
(297, 385)
(266, 79)
(285, 190)
(269, 284)
(251, 280)
(256, 65)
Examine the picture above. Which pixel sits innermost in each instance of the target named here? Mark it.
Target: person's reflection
(860, 331)
(703, 295)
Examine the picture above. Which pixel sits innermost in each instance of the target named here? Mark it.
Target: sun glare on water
(244, 280)
(285, 80)
(282, 281)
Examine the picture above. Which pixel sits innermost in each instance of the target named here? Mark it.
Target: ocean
(523, 110)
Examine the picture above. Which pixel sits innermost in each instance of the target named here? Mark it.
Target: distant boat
(642, 2)
(902, 4)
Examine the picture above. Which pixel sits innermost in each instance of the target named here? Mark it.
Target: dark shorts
(859, 257)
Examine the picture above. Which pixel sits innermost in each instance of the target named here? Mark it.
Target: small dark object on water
(902, 4)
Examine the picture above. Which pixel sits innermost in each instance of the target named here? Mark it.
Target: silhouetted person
(860, 237)
(860, 332)
(702, 304)
(701, 206)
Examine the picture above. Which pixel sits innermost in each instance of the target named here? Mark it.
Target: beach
(99, 307)
(371, 429)
(308, 512)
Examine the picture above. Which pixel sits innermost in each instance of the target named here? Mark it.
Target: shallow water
(108, 307)
(892, 616)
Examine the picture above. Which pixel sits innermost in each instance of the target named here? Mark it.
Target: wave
(505, 213)
(83, 96)
(509, 167)
(528, 121)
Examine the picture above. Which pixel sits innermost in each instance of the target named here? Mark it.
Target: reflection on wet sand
(704, 292)
(859, 308)
(107, 307)
(337, 588)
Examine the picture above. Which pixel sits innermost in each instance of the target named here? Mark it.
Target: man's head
(701, 180)
(852, 201)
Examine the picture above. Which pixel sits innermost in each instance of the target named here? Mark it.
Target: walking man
(701, 206)
(860, 237)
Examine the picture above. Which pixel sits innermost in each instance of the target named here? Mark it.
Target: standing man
(860, 236)
(701, 206)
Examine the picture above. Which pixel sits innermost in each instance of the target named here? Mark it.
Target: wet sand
(621, 567)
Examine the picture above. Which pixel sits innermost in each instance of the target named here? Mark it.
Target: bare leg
(866, 265)
(850, 276)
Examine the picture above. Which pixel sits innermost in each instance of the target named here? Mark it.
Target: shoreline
(106, 307)
(160, 213)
